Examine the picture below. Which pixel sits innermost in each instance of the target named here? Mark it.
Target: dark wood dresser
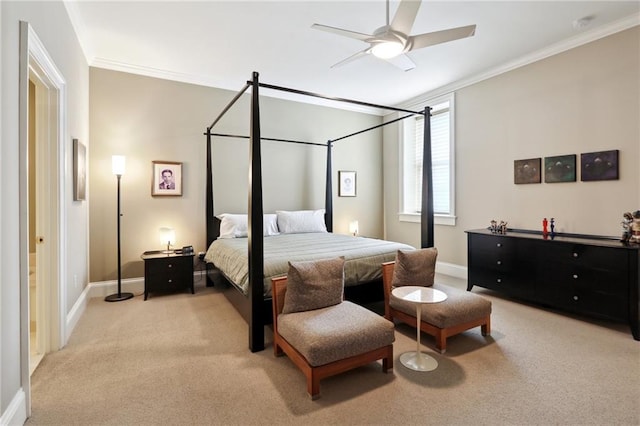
(585, 274)
(166, 272)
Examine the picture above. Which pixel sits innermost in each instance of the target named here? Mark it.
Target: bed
(363, 256)
(249, 292)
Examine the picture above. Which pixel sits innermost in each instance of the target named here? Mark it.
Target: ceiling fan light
(387, 49)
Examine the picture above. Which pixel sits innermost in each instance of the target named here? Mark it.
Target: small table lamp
(168, 237)
(353, 228)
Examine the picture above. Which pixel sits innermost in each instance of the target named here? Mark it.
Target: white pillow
(270, 224)
(294, 222)
(236, 225)
(233, 225)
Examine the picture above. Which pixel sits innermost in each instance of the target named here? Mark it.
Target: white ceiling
(220, 43)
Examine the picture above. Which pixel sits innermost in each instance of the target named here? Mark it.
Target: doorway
(42, 110)
(36, 344)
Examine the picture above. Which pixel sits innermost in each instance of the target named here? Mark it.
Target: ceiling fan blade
(352, 58)
(402, 61)
(437, 37)
(342, 32)
(405, 16)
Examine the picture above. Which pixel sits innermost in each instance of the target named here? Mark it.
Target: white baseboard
(75, 313)
(105, 288)
(452, 270)
(16, 412)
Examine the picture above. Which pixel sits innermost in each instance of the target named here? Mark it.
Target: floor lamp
(117, 164)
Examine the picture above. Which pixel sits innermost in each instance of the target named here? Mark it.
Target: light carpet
(182, 359)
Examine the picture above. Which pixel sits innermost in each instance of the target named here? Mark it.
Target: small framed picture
(166, 179)
(79, 171)
(601, 165)
(561, 168)
(527, 171)
(346, 183)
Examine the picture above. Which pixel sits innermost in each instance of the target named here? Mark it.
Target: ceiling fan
(391, 41)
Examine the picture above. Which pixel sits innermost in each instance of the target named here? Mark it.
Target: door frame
(50, 136)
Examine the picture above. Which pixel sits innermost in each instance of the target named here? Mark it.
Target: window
(442, 155)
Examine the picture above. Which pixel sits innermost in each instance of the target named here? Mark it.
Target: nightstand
(166, 272)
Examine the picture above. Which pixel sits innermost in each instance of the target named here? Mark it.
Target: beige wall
(149, 119)
(583, 100)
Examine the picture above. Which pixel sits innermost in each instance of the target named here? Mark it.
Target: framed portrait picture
(346, 183)
(79, 171)
(527, 171)
(166, 179)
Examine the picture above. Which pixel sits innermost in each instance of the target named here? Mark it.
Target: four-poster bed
(254, 303)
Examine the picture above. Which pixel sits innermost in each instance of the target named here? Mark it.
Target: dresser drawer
(169, 268)
(492, 248)
(585, 255)
(508, 282)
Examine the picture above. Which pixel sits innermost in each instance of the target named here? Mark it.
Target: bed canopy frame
(258, 318)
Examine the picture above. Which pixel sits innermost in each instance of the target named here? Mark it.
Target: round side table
(419, 296)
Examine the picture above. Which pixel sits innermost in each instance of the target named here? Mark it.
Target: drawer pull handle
(499, 245)
(169, 266)
(499, 280)
(575, 297)
(575, 254)
(575, 276)
(170, 281)
(499, 262)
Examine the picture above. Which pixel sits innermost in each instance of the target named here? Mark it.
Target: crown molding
(568, 44)
(80, 28)
(202, 80)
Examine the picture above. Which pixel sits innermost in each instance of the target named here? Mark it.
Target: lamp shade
(353, 227)
(117, 164)
(167, 236)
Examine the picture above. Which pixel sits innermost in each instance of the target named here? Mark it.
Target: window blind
(440, 158)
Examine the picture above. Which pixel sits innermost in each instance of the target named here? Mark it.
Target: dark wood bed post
(328, 194)
(210, 227)
(255, 228)
(426, 222)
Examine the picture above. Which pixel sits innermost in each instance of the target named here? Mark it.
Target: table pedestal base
(418, 361)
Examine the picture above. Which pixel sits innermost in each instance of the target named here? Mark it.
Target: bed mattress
(363, 256)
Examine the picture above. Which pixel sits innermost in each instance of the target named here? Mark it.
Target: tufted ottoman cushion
(326, 335)
(460, 307)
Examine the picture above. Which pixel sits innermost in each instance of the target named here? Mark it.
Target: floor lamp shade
(117, 166)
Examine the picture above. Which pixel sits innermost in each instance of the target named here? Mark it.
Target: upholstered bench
(461, 311)
(322, 334)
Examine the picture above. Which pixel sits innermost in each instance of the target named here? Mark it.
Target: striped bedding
(363, 256)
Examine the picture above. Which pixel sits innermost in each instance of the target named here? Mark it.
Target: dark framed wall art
(166, 179)
(601, 165)
(560, 168)
(346, 183)
(527, 171)
(79, 171)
